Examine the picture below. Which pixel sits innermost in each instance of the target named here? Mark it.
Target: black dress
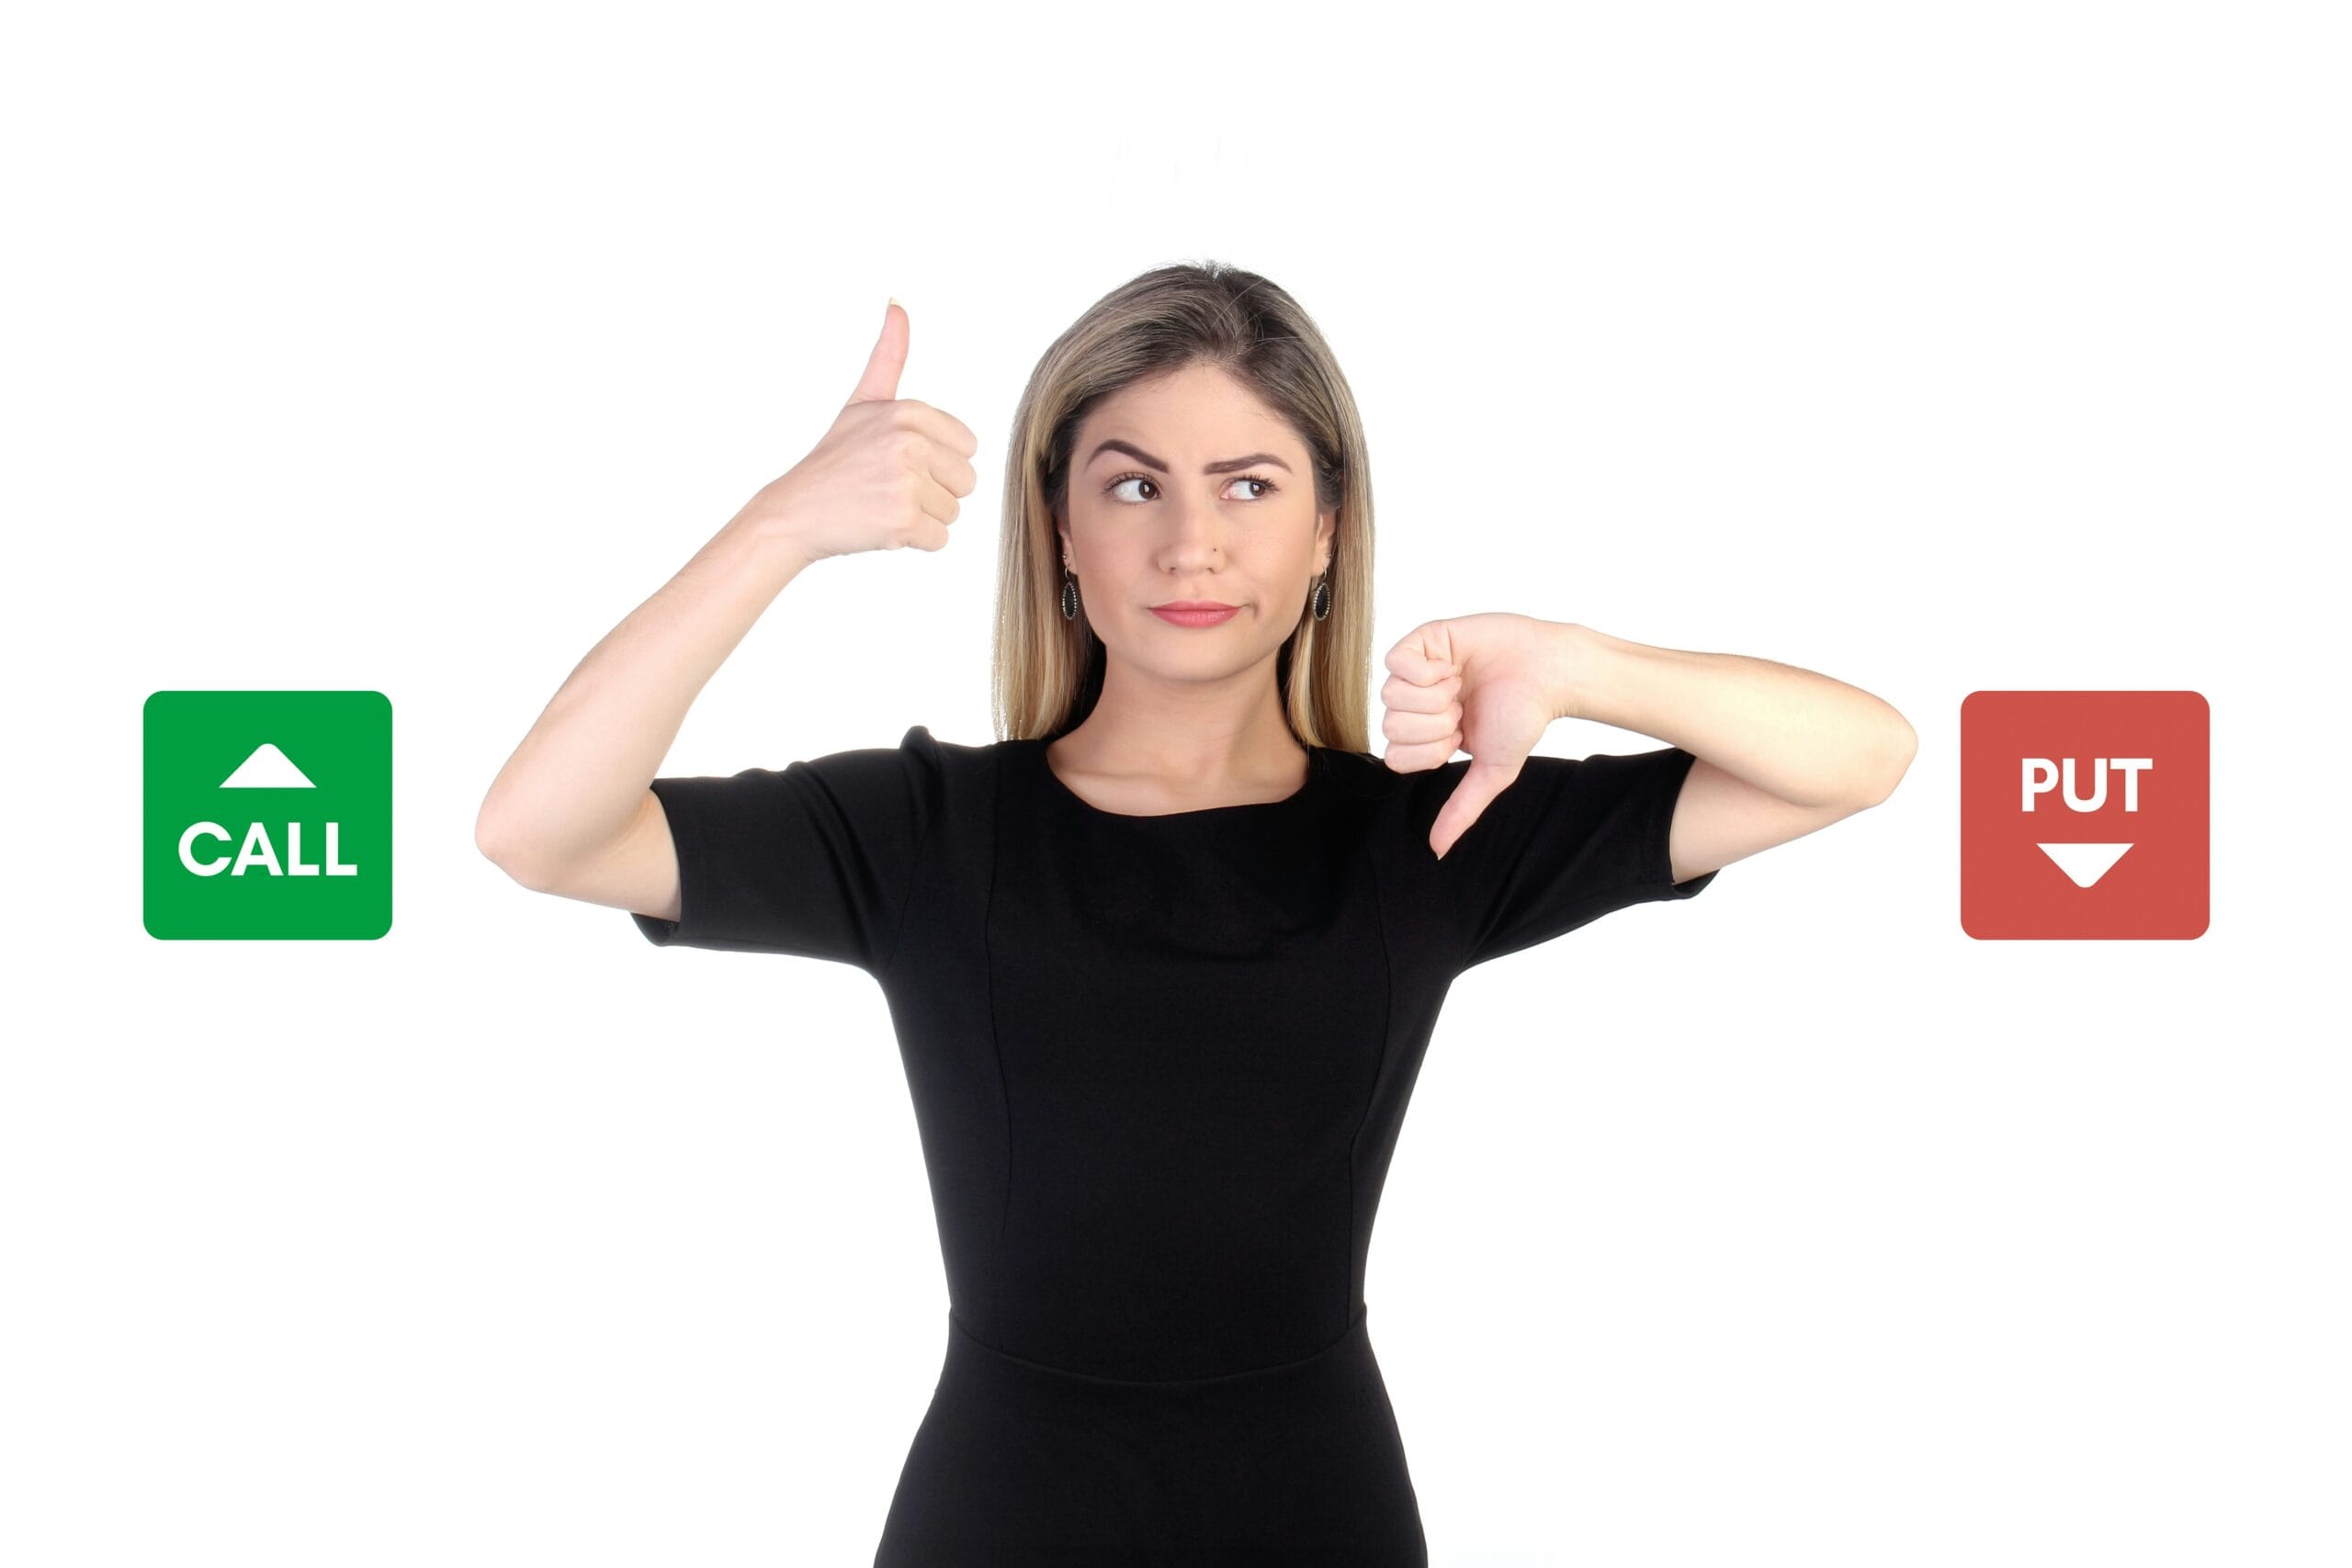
(1158, 1065)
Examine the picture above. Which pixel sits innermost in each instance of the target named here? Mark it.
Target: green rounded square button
(270, 815)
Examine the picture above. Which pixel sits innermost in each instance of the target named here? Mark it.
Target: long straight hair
(1048, 670)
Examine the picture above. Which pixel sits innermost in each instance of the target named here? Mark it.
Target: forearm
(1800, 736)
(580, 776)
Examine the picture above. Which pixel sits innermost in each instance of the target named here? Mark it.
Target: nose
(1196, 540)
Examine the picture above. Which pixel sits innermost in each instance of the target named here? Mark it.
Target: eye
(1266, 486)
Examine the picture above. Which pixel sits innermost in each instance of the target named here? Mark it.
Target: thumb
(1481, 782)
(880, 381)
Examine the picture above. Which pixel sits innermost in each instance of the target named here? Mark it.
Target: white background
(1996, 347)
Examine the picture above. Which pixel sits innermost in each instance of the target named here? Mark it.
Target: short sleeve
(1570, 839)
(816, 859)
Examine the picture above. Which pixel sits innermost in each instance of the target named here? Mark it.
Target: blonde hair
(1048, 670)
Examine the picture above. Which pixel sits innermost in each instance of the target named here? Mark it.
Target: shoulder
(951, 771)
(960, 764)
(919, 752)
(1363, 777)
(913, 782)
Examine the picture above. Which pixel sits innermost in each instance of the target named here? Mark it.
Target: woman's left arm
(1800, 737)
(1779, 752)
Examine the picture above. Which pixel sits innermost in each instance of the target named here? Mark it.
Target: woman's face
(1189, 488)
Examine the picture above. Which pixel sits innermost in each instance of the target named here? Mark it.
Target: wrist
(777, 535)
(1570, 667)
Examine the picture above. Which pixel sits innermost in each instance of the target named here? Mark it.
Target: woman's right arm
(573, 812)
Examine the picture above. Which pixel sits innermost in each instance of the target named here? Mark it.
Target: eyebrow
(1227, 466)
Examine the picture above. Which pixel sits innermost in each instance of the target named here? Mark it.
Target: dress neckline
(1036, 749)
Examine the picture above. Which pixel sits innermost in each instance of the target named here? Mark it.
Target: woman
(1164, 962)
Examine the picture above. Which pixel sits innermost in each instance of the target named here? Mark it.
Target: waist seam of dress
(1356, 1322)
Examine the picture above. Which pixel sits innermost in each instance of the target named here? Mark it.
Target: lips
(1196, 614)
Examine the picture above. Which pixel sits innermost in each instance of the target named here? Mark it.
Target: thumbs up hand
(1487, 684)
(890, 472)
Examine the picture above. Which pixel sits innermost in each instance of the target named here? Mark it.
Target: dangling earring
(1322, 600)
(1069, 594)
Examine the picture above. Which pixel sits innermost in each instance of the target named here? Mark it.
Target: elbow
(496, 846)
(489, 837)
(1901, 750)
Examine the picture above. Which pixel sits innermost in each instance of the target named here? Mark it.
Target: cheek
(1116, 555)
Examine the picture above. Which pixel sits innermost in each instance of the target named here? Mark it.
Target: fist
(891, 472)
(1487, 684)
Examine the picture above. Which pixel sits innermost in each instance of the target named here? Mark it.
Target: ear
(1324, 529)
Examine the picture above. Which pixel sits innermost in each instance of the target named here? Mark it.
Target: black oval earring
(1323, 598)
(1069, 594)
